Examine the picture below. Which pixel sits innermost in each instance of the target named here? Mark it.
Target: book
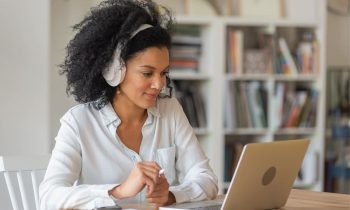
(278, 103)
(192, 103)
(229, 106)
(301, 98)
(289, 62)
(255, 108)
(235, 51)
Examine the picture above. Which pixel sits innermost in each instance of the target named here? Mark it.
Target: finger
(161, 188)
(153, 175)
(156, 176)
(151, 168)
(152, 165)
(150, 184)
(157, 194)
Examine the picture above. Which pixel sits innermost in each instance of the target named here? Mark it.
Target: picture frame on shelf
(261, 8)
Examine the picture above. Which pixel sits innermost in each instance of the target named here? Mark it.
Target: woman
(128, 140)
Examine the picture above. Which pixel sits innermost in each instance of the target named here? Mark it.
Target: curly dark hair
(107, 25)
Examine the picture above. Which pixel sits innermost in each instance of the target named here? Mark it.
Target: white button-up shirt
(89, 158)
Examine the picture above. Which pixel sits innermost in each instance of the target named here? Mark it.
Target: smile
(151, 96)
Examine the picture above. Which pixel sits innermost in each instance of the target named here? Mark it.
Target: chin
(148, 104)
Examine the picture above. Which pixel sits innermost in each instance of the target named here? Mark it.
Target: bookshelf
(213, 75)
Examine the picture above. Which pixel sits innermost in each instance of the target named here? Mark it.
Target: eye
(147, 74)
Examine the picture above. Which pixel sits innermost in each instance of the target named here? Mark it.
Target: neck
(127, 111)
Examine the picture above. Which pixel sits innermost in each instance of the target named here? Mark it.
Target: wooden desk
(303, 199)
(298, 200)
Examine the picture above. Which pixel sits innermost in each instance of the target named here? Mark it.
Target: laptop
(263, 178)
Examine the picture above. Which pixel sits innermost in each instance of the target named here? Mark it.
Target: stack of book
(303, 61)
(192, 103)
(245, 105)
(296, 107)
(185, 52)
(270, 55)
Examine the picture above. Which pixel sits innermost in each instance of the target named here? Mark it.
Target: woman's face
(145, 76)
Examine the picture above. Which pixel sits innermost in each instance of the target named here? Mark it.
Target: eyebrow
(153, 68)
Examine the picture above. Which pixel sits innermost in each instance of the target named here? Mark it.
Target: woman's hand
(160, 195)
(143, 174)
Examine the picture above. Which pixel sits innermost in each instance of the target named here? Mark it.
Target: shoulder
(80, 111)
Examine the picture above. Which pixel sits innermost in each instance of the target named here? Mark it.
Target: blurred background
(243, 70)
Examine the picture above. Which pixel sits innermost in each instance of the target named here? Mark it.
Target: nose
(158, 82)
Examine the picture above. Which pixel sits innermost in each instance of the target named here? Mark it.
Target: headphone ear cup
(116, 76)
(115, 72)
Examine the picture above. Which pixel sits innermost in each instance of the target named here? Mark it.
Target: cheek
(140, 86)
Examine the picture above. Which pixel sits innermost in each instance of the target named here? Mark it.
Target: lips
(151, 95)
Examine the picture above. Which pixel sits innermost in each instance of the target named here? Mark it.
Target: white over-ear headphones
(114, 73)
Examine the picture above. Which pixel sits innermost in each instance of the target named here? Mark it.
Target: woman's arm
(57, 189)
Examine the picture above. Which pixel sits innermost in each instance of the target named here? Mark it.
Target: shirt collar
(109, 116)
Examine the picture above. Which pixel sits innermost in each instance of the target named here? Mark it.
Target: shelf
(300, 77)
(195, 20)
(213, 72)
(201, 131)
(188, 76)
(265, 77)
(246, 21)
(247, 131)
(260, 77)
(295, 131)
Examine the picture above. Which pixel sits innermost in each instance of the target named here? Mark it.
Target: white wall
(338, 40)
(24, 77)
(64, 14)
(24, 84)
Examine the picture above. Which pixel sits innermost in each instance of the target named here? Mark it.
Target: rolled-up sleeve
(58, 189)
(197, 180)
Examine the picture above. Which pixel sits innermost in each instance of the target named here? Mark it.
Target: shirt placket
(132, 155)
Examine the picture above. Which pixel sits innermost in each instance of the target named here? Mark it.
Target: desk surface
(303, 199)
(298, 200)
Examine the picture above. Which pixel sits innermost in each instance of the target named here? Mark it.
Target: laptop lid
(265, 175)
(263, 178)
